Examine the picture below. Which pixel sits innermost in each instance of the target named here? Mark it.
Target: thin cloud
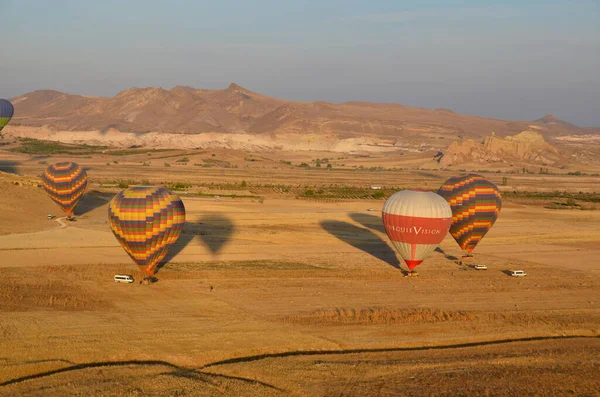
(437, 13)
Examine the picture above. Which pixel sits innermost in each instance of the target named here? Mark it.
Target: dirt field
(276, 296)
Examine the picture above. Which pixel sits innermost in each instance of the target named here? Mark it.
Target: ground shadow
(213, 230)
(369, 221)
(507, 272)
(92, 200)
(363, 239)
(449, 257)
(9, 166)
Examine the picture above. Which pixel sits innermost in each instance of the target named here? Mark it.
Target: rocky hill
(528, 146)
(236, 110)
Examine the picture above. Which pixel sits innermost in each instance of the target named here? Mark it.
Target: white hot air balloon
(416, 223)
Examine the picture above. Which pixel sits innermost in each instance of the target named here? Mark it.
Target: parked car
(518, 273)
(480, 267)
(123, 278)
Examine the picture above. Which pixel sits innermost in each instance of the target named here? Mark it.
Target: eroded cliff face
(528, 146)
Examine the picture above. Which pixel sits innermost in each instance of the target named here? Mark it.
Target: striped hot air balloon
(416, 223)
(65, 183)
(6, 112)
(146, 220)
(475, 203)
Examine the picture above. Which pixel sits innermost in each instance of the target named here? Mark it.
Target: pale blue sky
(502, 59)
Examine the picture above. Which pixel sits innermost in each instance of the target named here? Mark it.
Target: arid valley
(300, 198)
(284, 282)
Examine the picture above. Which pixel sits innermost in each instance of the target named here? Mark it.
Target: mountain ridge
(235, 109)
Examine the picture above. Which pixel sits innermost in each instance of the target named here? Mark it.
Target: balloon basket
(411, 273)
(148, 280)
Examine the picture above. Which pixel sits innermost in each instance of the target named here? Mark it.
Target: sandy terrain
(282, 296)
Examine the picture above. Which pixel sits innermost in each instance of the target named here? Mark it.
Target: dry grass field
(271, 291)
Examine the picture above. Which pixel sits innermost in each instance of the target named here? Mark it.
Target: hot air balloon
(416, 223)
(6, 112)
(146, 220)
(65, 183)
(476, 204)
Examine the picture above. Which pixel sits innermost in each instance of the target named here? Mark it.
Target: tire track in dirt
(61, 222)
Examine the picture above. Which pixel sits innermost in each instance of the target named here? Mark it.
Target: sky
(510, 59)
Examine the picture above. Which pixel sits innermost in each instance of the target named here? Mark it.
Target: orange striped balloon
(146, 220)
(476, 204)
(65, 183)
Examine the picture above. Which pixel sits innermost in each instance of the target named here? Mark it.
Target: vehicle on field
(518, 273)
(123, 278)
(480, 267)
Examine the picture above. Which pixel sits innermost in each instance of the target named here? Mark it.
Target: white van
(123, 278)
(518, 273)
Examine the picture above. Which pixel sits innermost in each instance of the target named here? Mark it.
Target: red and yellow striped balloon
(475, 203)
(65, 183)
(146, 220)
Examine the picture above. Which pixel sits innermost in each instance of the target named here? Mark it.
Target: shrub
(178, 186)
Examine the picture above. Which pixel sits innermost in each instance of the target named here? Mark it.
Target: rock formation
(527, 146)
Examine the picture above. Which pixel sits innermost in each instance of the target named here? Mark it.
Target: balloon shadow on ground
(92, 200)
(449, 257)
(213, 230)
(372, 222)
(363, 239)
(9, 166)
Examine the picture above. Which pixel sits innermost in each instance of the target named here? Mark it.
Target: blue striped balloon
(6, 112)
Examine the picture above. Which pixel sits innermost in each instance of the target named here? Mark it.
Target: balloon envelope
(6, 112)
(416, 222)
(475, 203)
(146, 220)
(65, 183)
